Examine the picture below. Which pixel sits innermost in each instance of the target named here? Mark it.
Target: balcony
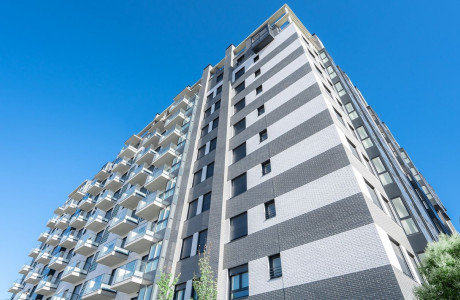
(52, 222)
(60, 210)
(171, 135)
(176, 118)
(43, 237)
(46, 287)
(25, 269)
(71, 207)
(150, 207)
(104, 172)
(158, 179)
(174, 170)
(139, 174)
(146, 156)
(133, 140)
(34, 252)
(99, 289)
(97, 221)
(180, 145)
(121, 165)
(79, 192)
(53, 238)
(181, 104)
(165, 156)
(16, 287)
(123, 223)
(113, 253)
(114, 182)
(106, 200)
(33, 277)
(63, 222)
(87, 245)
(69, 239)
(59, 261)
(44, 257)
(132, 196)
(79, 220)
(152, 138)
(262, 38)
(140, 239)
(127, 151)
(95, 187)
(76, 272)
(130, 277)
(23, 295)
(66, 295)
(87, 203)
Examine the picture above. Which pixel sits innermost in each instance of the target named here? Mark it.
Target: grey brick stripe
(266, 59)
(288, 107)
(288, 139)
(340, 216)
(327, 162)
(375, 283)
(268, 74)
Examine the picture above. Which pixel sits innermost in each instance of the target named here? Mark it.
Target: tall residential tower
(274, 162)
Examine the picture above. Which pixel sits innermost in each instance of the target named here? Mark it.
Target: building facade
(273, 162)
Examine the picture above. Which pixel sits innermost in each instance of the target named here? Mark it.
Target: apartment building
(274, 162)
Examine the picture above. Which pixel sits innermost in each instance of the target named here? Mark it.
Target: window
(339, 117)
(263, 135)
(215, 123)
(239, 73)
(239, 152)
(220, 77)
(197, 177)
(240, 126)
(259, 90)
(373, 195)
(327, 90)
(364, 137)
(239, 185)
(186, 247)
(353, 150)
(240, 60)
(351, 111)
(202, 239)
(257, 73)
(323, 57)
(204, 130)
(210, 170)
(381, 171)
(407, 222)
(216, 105)
(256, 58)
(414, 265)
(261, 110)
(239, 88)
(339, 88)
(238, 226)
(192, 206)
(239, 282)
(275, 266)
(368, 164)
(331, 72)
(402, 261)
(239, 105)
(270, 209)
(179, 294)
(210, 96)
(219, 90)
(388, 207)
(206, 202)
(207, 113)
(266, 167)
(201, 152)
(404, 156)
(212, 144)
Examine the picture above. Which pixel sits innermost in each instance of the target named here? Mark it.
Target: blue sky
(77, 78)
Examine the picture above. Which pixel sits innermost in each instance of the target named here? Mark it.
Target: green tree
(205, 286)
(441, 268)
(166, 286)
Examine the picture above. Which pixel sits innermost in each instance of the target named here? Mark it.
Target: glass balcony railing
(71, 235)
(176, 128)
(135, 268)
(145, 229)
(23, 295)
(100, 282)
(51, 283)
(66, 295)
(90, 239)
(80, 267)
(174, 115)
(82, 215)
(126, 215)
(115, 245)
(151, 198)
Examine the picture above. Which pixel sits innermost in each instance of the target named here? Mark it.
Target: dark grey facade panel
(205, 160)
(195, 224)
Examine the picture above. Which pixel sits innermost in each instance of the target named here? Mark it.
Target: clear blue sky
(79, 77)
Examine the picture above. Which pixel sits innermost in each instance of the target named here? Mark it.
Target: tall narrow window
(383, 175)
(240, 126)
(210, 170)
(270, 209)
(238, 226)
(240, 105)
(401, 259)
(373, 195)
(204, 130)
(192, 206)
(212, 144)
(266, 167)
(275, 266)
(239, 282)
(339, 88)
(407, 222)
(239, 73)
(239, 184)
(259, 90)
(201, 152)
(186, 247)
(256, 58)
(331, 72)
(202, 239)
(239, 152)
(206, 202)
(240, 88)
(263, 135)
(261, 110)
(220, 77)
(364, 137)
(215, 123)
(353, 150)
(197, 177)
(257, 73)
(219, 90)
(339, 117)
(216, 105)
